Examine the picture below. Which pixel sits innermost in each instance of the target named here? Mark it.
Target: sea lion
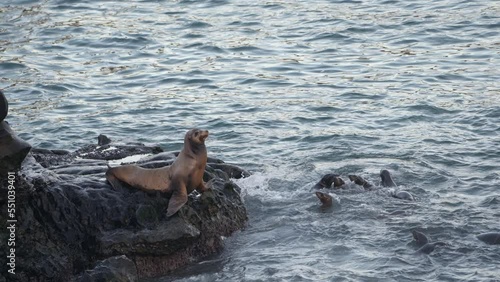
(360, 181)
(325, 199)
(424, 243)
(492, 238)
(179, 179)
(420, 238)
(329, 179)
(387, 179)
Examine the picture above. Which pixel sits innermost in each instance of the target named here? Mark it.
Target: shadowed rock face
(4, 106)
(72, 224)
(13, 149)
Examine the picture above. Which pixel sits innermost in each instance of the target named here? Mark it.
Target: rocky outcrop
(72, 226)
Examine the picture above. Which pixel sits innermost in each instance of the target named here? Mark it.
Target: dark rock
(103, 140)
(71, 219)
(4, 106)
(13, 149)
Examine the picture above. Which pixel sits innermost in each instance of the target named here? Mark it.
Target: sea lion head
(196, 137)
(387, 181)
(325, 199)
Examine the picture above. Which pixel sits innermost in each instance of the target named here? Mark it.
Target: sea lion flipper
(112, 179)
(177, 200)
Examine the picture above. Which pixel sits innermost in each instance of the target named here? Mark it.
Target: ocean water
(290, 90)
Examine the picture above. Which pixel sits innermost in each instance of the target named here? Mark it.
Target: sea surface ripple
(289, 90)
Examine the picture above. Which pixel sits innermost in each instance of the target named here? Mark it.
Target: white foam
(129, 159)
(111, 148)
(258, 185)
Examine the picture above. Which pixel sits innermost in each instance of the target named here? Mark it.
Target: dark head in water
(325, 199)
(386, 179)
(424, 243)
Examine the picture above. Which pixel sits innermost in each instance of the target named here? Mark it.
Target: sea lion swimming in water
(360, 181)
(326, 200)
(386, 179)
(424, 243)
(328, 180)
(178, 179)
(384, 175)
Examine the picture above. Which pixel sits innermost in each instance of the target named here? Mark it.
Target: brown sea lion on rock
(178, 179)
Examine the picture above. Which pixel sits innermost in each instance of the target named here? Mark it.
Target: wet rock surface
(73, 225)
(119, 268)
